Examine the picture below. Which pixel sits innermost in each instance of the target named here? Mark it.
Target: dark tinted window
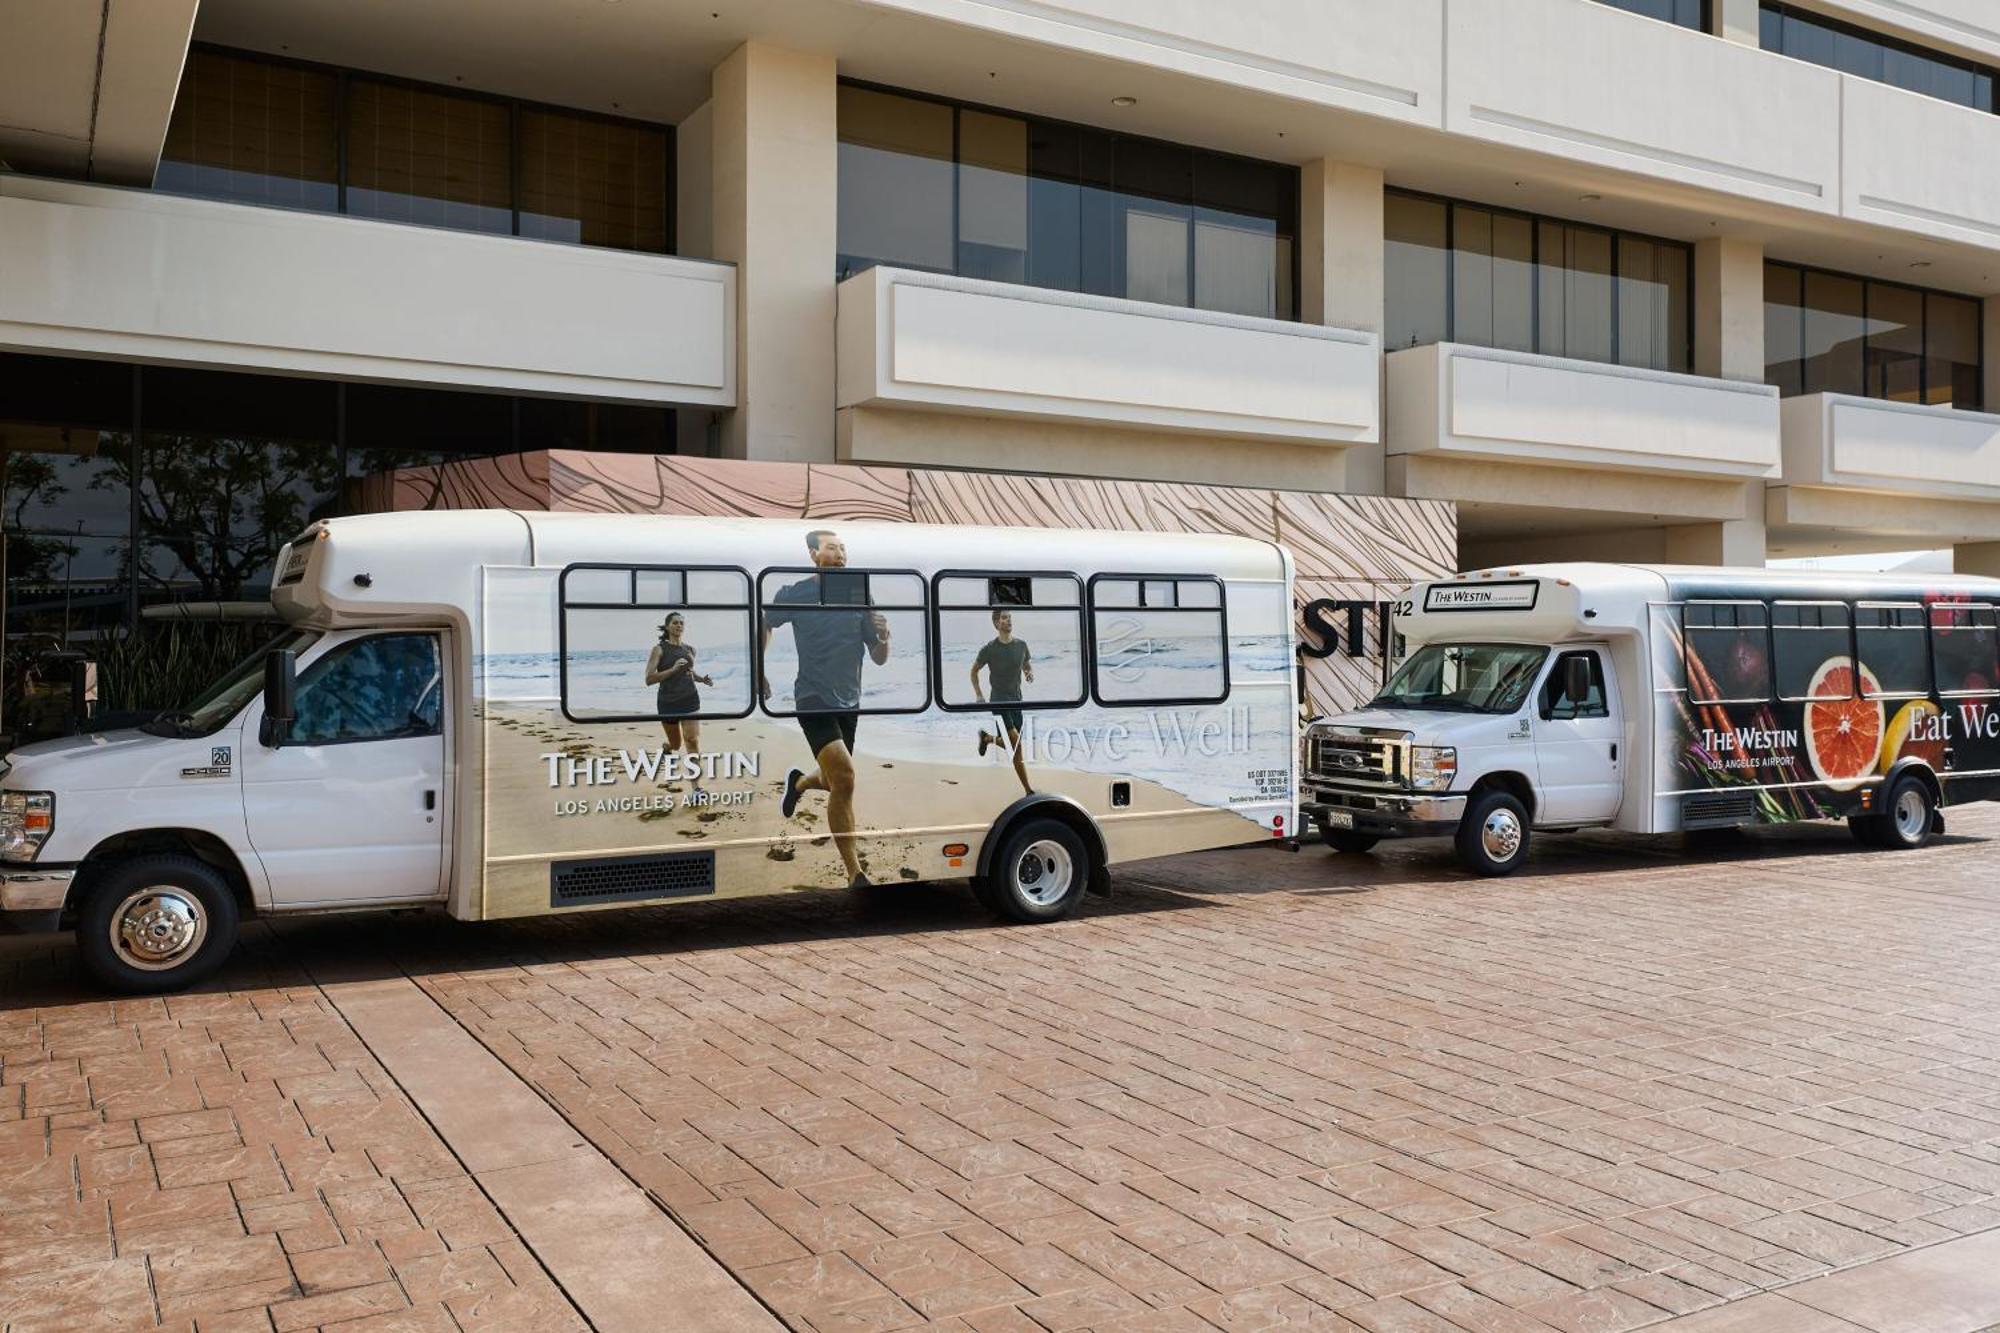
(592, 181)
(385, 687)
(255, 131)
(1562, 706)
(1832, 333)
(1687, 13)
(1895, 651)
(1806, 36)
(1811, 651)
(987, 194)
(1964, 644)
(1464, 273)
(435, 158)
(1728, 652)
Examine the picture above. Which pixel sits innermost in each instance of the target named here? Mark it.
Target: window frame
(1770, 694)
(1853, 656)
(757, 628)
(1221, 610)
(1923, 629)
(1082, 608)
(1781, 10)
(1930, 633)
(1613, 275)
(1868, 284)
(289, 740)
(344, 74)
(564, 606)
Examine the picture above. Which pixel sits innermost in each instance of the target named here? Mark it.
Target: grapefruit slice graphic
(1843, 735)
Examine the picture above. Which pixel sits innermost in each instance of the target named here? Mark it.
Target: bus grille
(1719, 810)
(631, 878)
(1356, 759)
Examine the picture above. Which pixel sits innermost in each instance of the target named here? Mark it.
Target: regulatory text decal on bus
(1807, 704)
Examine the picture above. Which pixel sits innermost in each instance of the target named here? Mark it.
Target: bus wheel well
(1062, 811)
(1923, 773)
(202, 846)
(1515, 785)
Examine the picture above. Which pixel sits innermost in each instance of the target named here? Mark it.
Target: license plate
(1339, 819)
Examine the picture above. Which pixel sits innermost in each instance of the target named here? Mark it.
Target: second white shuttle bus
(1655, 700)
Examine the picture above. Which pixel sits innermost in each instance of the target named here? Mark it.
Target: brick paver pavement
(1252, 1091)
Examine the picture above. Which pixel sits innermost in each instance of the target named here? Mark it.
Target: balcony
(935, 343)
(91, 270)
(1868, 444)
(1481, 403)
(1909, 162)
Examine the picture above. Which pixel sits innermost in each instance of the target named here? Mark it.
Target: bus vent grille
(1719, 810)
(623, 879)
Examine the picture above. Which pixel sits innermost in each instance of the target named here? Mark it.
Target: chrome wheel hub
(1044, 872)
(1500, 835)
(1912, 819)
(158, 928)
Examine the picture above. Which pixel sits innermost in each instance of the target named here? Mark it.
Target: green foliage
(171, 664)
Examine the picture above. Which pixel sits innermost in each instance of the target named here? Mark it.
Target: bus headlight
(1433, 767)
(26, 819)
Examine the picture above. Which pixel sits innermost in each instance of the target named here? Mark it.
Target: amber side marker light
(954, 853)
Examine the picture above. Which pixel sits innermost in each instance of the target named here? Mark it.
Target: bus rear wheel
(1906, 820)
(155, 924)
(1493, 836)
(1039, 873)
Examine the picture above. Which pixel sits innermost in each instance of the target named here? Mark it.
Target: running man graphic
(831, 641)
(1007, 662)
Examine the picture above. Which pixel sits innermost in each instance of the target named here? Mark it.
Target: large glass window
(1158, 640)
(1686, 13)
(1728, 647)
(1895, 654)
(641, 642)
(1011, 641)
(987, 194)
(1806, 639)
(842, 640)
(1806, 36)
(1965, 645)
(1833, 333)
(381, 688)
(1465, 273)
(125, 489)
(266, 131)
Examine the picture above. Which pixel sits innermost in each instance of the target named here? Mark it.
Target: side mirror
(1576, 680)
(281, 689)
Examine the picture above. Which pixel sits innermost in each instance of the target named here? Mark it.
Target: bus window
(688, 626)
(1728, 652)
(844, 641)
(1158, 639)
(1964, 643)
(1811, 652)
(1018, 636)
(1895, 652)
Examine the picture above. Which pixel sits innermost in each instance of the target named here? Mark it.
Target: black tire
(1039, 874)
(1500, 850)
(1352, 841)
(1867, 829)
(1908, 815)
(159, 898)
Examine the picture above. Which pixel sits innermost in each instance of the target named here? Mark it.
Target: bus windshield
(1464, 678)
(224, 699)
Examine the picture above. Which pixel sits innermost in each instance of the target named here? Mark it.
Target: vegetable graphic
(1843, 733)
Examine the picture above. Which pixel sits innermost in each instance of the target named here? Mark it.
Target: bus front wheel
(156, 923)
(1493, 835)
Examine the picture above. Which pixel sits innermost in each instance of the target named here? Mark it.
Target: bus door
(1579, 738)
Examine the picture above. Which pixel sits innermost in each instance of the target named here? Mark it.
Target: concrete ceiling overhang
(87, 86)
(652, 59)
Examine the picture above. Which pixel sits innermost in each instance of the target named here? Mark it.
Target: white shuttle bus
(1658, 700)
(504, 714)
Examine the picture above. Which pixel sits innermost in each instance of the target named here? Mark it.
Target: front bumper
(32, 897)
(1390, 814)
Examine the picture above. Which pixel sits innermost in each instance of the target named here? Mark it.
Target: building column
(1991, 386)
(1732, 541)
(1736, 20)
(1729, 309)
(1976, 558)
(772, 169)
(1340, 275)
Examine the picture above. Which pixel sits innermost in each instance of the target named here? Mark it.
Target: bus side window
(1809, 642)
(1557, 704)
(1965, 644)
(1895, 652)
(823, 630)
(616, 618)
(1728, 647)
(1158, 639)
(1019, 636)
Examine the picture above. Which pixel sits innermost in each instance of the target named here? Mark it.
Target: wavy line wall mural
(1350, 552)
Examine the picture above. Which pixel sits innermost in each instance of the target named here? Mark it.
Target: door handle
(431, 796)
(1614, 752)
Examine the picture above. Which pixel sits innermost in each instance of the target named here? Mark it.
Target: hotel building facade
(1694, 280)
